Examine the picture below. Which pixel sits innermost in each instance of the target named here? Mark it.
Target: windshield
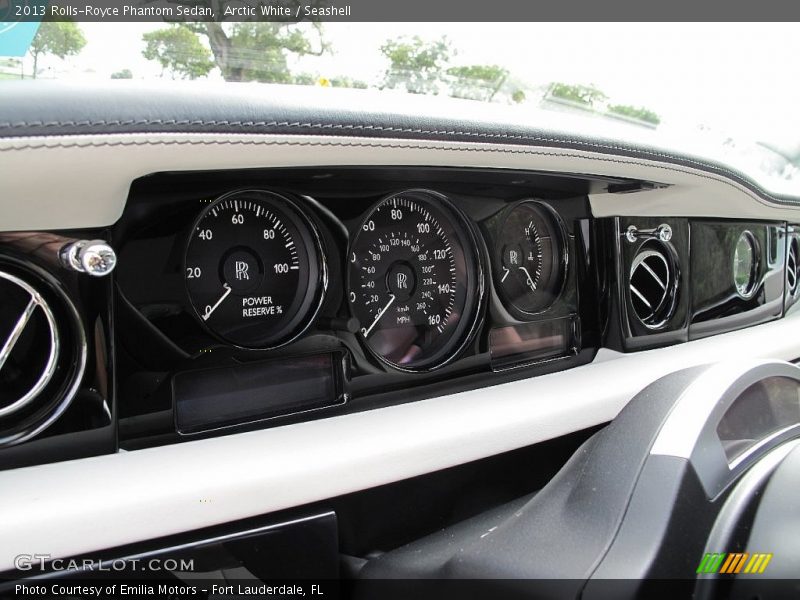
(728, 91)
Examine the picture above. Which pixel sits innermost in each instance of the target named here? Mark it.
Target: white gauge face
(745, 262)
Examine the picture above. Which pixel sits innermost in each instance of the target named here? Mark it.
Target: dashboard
(251, 299)
(311, 307)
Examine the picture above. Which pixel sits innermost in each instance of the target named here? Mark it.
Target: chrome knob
(662, 233)
(93, 257)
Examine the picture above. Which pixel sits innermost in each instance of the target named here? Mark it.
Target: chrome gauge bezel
(747, 291)
(472, 248)
(319, 284)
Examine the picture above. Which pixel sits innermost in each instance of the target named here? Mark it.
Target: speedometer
(415, 281)
(254, 269)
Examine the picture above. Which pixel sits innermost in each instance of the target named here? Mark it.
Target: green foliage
(588, 95)
(122, 74)
(476, 82)
(518, 96)
(635, 112)
(258, 51)
(421, 67)
(178, 50)
(487, 73)
(59, 38)
(336, 81)
(346, 82)
(416, 65)
(304, 79)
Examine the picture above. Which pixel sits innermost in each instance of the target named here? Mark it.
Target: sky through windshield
(729, 81)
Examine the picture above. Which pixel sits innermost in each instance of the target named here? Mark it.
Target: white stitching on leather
(390, 129)
(378, 143)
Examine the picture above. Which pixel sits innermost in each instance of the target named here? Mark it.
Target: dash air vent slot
(42, 350)
(792, 267)
(653, 284)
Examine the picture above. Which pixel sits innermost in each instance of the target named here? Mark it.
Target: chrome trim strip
(653, 273)
(636, 291)
(17, 330)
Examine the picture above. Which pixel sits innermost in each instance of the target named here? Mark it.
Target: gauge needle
(530, 281)
(380, 314)
(211, 309)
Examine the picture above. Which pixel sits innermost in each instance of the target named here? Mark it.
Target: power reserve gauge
(254, 269)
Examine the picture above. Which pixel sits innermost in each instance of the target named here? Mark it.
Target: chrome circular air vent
(792, 269)
(29, 329)
(42, 350)
(653, 284)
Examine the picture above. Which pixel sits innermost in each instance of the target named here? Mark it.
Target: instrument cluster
(256, 272)
(397, 283)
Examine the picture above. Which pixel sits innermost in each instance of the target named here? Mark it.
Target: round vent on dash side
(792, 269)
(42, 350)
(653, 285)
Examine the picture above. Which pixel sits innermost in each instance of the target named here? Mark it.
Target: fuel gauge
(530, 257)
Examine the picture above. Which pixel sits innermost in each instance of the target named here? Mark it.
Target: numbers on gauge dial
(245, 234)
(405, 270)
(249, 269)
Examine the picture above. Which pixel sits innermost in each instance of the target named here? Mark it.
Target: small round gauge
(254, 269)
(414, 279)
(529, 257)
(745, 265)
